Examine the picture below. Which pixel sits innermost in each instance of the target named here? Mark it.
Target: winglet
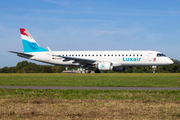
(51, 52)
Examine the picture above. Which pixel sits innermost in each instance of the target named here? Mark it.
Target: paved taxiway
(90, 88)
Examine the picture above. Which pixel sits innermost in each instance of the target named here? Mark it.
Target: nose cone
(169, 61)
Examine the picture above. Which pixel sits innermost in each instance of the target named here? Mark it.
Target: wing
(77, 60)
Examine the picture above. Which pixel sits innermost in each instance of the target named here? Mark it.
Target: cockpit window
(160, 55)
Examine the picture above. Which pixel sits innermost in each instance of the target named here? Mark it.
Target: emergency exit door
(150, 56)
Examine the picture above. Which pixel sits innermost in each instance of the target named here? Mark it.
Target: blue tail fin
(29, 44)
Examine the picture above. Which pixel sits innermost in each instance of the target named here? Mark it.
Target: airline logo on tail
(29, 44)
(25, 32)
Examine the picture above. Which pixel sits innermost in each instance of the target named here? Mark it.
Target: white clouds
(153, 38)
(110, 12)
(77, 38)
(62, 2)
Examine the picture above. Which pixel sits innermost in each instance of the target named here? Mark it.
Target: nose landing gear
(154, 69)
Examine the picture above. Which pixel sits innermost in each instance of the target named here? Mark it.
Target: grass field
(93, 80)
(88, 104)
(148, 95)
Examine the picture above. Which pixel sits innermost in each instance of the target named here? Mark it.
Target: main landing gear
(97, 71)
(87, 71)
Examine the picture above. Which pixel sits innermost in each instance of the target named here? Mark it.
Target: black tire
(97, 71)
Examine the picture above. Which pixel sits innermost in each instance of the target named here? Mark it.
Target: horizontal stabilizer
(22, 54)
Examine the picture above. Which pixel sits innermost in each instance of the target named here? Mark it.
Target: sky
(90, 25)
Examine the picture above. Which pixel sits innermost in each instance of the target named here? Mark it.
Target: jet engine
(104, 66)
(119, 68)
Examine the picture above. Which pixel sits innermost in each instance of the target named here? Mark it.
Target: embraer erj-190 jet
(91, 60)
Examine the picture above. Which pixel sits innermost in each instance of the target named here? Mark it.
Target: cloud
(100, 11)
(62, 3)
(79, 38)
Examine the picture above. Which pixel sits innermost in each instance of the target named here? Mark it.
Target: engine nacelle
(119, 68)
(104, 66)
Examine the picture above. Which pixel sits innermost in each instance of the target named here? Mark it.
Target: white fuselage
(117, 58)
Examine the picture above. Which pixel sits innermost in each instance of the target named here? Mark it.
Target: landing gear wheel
(87, 71)
(154, 69)
(96, 71)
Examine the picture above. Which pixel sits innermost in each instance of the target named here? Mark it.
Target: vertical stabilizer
(29, 44)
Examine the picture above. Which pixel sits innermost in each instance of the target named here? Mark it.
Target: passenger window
(141, 54)
(92, 55)
(112, 55)
(115, 55)
(126, 55)
(69, 55)
(119, 55)
(130, 55)
(133, 54)
(104, 55)
(72, 55)
(108, 55)
(122, 54)
(89, 55)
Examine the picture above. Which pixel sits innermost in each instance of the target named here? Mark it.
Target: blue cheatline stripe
(32, 47)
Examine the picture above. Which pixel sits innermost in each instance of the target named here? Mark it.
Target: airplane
(91, 60)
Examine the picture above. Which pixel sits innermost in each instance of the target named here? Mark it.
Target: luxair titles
(132, 59)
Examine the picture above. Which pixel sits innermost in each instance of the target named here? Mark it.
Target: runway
(89, 88)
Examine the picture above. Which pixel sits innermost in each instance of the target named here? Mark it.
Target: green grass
(89, 104)
(93, 80)
(147, 96)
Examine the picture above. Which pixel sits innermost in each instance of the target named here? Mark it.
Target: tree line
(29, 67)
